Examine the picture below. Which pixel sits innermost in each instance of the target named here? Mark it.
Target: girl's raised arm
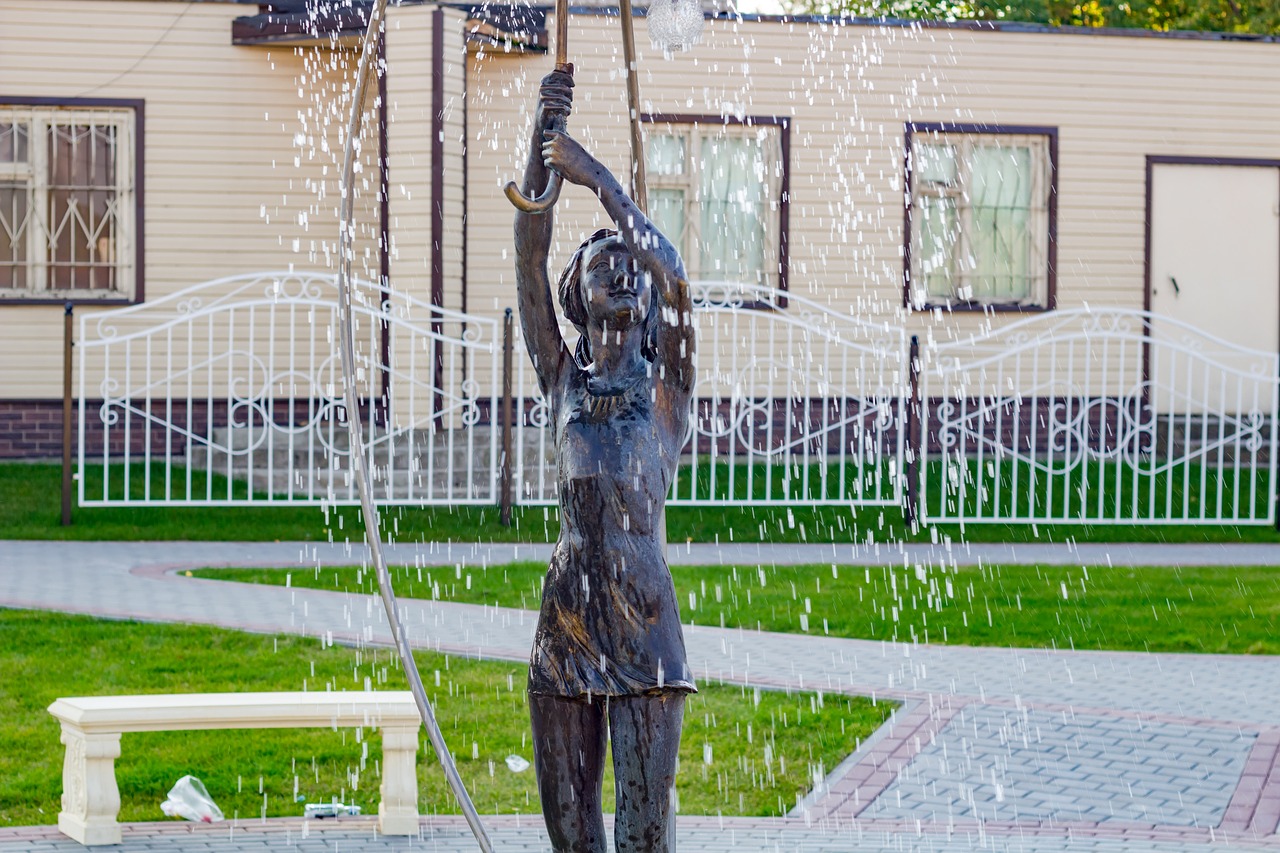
(538, 320)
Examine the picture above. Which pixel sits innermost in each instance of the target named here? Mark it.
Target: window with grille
(979, 219)
(717, 192)
(68, 207)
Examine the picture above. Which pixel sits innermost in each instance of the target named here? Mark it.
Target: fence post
(67, 316)
(914, 440)
(505, 481)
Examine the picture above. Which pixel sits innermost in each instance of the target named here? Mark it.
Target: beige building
(945, 177)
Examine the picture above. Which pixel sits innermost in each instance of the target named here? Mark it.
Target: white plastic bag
(189, 799)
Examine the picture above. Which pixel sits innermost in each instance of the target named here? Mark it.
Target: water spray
(346, 347)
(677, 26)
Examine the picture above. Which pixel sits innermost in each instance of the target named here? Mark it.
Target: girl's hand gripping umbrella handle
(549, 196)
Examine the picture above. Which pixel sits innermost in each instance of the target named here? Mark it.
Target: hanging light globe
(675, 24)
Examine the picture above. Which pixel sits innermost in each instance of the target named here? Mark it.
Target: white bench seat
(92, 725)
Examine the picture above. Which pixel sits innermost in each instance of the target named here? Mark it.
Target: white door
(1215, 266)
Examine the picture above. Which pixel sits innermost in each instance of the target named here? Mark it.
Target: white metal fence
(1100, 417)
(228, 393)
(794, 406)
(799, 406)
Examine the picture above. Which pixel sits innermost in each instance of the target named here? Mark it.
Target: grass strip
(744, 752)
(1217, 609)
(30, 509)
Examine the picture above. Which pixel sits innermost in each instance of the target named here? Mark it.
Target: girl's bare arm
(533, 232)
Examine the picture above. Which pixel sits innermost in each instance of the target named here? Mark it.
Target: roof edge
(524, 26)
(528, 23)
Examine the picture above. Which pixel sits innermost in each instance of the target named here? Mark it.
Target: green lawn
(1097, 490)
(1216, 609)
(743, 752)
(770, 480)
(30, 509)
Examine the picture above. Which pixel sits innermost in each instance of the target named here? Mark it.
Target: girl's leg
(568, 757)
(645, 731)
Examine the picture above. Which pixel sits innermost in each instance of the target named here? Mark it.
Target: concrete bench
(91, 729)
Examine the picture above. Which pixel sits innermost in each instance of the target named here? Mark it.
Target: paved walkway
(992, 749)
(696, 835)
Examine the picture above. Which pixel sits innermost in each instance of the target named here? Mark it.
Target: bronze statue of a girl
(609, 654)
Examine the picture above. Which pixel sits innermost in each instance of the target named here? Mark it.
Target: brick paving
(991, 763)
(1001, 749)
(702, 835)
(705, 835)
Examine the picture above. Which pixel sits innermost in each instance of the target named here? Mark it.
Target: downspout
(437, 200)
(384, 226)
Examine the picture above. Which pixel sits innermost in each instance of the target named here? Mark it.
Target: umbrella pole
(562, 36)
(639, 189)
(550, 195)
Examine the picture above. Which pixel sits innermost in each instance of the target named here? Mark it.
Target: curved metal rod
(540, 204)
(351, 400)
(550, 195)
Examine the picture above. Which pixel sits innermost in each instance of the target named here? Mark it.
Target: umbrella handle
(547, 200)
(538, 204)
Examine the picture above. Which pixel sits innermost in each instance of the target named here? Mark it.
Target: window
(718, 191)
(68, 202)
(980, 217)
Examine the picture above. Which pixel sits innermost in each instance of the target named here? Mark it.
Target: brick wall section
(30, 429)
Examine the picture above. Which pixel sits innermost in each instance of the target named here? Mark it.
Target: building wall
(224, 193)
(426, 60)
(412, 36)
(409, 52)
(849, 91)
(454, 115)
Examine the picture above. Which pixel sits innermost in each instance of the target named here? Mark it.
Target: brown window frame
(138, 108)
(1051, 248)
(783, 123)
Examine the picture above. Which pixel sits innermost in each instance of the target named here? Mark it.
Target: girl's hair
(573, 301)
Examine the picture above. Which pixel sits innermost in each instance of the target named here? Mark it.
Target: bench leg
(90, 798)
(398, 811)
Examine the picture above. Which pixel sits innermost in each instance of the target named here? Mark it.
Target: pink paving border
(880, 765)
(1255, 806)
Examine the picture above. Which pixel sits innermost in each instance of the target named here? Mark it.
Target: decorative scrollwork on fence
(238, 379)
(1106, 416)
(1110, 415)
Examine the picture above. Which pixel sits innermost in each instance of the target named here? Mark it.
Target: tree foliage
(1229, 16)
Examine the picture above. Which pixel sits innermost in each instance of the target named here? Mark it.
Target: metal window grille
(67, 214)
(980, 219)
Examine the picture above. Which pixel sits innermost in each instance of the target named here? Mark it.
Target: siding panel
(220, 135)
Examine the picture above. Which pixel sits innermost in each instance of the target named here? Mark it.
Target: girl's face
(617, 293)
